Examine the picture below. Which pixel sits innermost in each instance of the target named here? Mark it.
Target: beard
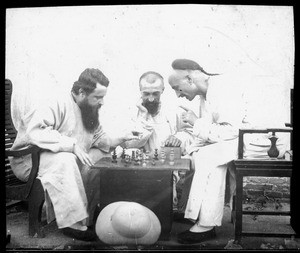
(152, 107)
(90, 116)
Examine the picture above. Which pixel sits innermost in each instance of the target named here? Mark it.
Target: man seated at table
(68, 130)
(153, 119)
(157, 122)
(223, 111)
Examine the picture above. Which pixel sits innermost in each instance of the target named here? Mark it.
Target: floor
(17, 226)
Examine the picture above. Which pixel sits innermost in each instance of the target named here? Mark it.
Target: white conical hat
(127, 223)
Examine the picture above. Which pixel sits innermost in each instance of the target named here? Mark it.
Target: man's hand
(142, 109)
(172, 141)
(82, 155)
(188, 116)
(132, 135)
(140, 106)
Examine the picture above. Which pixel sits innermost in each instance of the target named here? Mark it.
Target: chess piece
(144, 159)
(147, 157)
(162, 155)
(114, 156)
(123, 155)
(140, 158)
(171, 157)
(136, 158)
(127, 159)
(155, 155)
(153, 162)
(142, 152)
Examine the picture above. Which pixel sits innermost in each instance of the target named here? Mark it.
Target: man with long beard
(71, 137)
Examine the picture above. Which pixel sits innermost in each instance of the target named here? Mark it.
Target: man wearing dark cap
(68, 130)
(215, 132)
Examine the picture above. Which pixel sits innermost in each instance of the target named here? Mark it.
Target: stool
(272, 167)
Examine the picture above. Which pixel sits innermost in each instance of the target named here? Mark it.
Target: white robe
(215, 144)
(55, 127)
(167, 122)
(223, 113)
(163, 124)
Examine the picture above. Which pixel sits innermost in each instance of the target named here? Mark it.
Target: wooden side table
(271, 167)
(150, 185)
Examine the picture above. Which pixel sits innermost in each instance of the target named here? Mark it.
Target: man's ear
(81, 92)
(189, 79)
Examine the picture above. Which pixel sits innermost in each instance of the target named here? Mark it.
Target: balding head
(151, 87)
(151, 81)
(188, 79)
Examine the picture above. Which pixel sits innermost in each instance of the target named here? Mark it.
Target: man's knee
(66, 158)
(59, 159)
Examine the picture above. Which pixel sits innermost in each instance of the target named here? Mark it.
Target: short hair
(88, 80)
(150, 77)
(185, 64)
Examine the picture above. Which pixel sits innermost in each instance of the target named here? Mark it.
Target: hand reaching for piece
(132, 135)
(172, 141)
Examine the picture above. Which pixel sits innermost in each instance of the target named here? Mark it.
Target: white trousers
(206, 197)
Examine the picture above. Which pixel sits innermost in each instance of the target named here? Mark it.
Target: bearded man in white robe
(158, 122)
(69, 133)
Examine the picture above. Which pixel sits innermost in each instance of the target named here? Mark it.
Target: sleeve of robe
(226, 112)
(146, 133)
(211, 131)
(42, 128)
(101, 140)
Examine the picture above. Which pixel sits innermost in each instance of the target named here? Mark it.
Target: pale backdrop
(47, 48)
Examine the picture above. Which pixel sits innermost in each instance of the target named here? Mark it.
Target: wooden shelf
(280, 228)
(268, 209)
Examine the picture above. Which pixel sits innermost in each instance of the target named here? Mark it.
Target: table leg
(238, 207)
